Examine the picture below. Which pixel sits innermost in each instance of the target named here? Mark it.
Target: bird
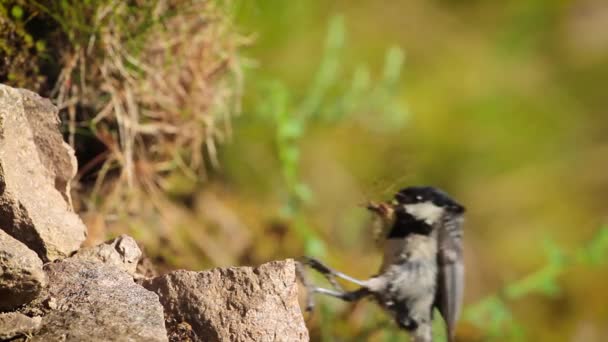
(422, 266)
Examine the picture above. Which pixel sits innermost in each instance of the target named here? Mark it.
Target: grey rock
(122, 252)
(36, 167)
(87, 300)
(145, 269)
(21, 275)
(14, 325)
(55, 154)
(232, 304)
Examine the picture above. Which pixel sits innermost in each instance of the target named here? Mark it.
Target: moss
(19, 60)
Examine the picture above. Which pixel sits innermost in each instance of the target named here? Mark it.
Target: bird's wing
(450, 284)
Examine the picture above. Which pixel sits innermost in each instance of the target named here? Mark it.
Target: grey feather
(450, 285)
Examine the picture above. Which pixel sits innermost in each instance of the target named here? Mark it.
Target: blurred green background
(502, 104)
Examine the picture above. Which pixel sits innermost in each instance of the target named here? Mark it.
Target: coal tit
(422, 266)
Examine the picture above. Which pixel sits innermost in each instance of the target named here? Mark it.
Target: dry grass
(156, 85)
(147, 89)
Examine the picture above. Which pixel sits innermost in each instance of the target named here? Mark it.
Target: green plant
(292, 117)
(20, 52)
(492, 314)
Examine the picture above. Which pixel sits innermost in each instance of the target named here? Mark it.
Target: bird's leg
(301, 274)
(330, 273)
(330, 278)
(349, 296)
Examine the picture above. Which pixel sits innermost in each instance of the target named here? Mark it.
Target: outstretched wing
(450, 284)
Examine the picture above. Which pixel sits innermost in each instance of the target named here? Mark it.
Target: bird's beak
(459, 209)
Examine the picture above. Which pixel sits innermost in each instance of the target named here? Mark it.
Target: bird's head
(427, 203)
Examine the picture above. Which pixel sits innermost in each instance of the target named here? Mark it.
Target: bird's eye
(419, 198)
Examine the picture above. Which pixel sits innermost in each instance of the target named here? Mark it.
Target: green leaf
(292, 129)
(29, 41)
(393, 63)
(328, 70)
(17, 12)
(303, 192)
(40, 46)
(595, 252)
(554, 253)
(289, 155)
(315, 247)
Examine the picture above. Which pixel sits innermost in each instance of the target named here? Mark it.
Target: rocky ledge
(53, 290)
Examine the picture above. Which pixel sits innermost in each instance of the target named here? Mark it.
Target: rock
(14, 325)
(55, 154)
(21, 275)
(232, 304)
(36, 167)
(145, 269)
(122, 252)
(92, 301)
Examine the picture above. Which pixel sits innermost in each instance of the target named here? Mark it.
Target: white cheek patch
(425, 211)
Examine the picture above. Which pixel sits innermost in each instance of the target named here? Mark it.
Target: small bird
(422, 267)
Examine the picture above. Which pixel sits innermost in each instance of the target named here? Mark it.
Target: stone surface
(14, 325)
(232, 304)
(122, 252)
(36, 167)
(87, 300)
(145, 269)
(21, 275)
(55, 154)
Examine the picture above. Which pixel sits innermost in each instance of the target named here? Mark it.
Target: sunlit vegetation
(236, 132)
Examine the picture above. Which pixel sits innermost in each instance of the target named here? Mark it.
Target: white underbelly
(411, 248)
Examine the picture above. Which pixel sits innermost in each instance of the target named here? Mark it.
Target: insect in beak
(383, 210)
